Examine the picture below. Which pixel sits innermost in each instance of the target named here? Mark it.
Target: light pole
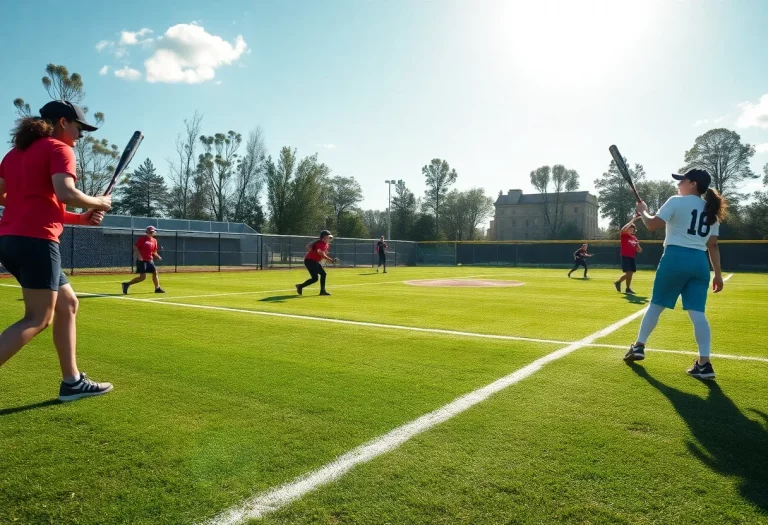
(389, 184)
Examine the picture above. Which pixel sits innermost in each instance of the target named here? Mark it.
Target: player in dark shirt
(381, 249)
(580, 259)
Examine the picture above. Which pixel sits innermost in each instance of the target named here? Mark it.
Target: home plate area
(464, 283)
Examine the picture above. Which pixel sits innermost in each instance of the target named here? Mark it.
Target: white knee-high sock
(702, 332)
(650, 320)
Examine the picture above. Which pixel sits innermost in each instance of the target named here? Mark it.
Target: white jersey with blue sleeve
(686, 222)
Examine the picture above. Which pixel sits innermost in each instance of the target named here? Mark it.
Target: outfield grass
(212, 406)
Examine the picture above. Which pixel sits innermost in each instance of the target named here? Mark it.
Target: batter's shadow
(724, 438)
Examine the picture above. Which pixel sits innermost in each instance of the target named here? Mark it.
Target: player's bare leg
(38, 314)
(65, 332)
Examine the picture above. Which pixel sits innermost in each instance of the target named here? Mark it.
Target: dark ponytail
(28, 130)
(715, 206)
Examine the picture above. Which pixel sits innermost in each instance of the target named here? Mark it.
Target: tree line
(226, 176)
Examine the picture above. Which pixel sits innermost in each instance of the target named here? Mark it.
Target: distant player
(580, 259)
(381, 249)
(629, 248)
(317, 252)
(37, 182)
(145, 253)
(692, 228)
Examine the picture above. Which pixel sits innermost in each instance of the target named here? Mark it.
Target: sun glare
(582, 42)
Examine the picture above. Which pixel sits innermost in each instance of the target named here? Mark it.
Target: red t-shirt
(628, 244)
(35, 210)
(313, 255)
(146, 246)
(11, 166)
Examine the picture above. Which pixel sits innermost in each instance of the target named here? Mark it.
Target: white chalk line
(415, 328)
(257, 292)
(278, 497)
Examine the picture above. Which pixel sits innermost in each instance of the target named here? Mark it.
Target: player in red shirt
(629, 247)
(317, 252)
(37, 182)
(145, 253)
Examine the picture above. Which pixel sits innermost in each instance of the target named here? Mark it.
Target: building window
(576, 210)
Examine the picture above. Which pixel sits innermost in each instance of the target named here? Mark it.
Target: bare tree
(60, 85)
(184, 169)
(562, 181)
(218, 164)
(250, 176)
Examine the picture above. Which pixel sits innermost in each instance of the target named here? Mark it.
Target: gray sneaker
(85, 387)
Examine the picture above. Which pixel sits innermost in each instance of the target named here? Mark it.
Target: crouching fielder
(317, 252)
(692, 219)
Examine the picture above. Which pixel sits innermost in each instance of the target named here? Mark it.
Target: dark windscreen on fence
(110, 250)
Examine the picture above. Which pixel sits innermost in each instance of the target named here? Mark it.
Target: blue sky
(378, 89)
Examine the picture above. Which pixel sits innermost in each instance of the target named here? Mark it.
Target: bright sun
(581, 42)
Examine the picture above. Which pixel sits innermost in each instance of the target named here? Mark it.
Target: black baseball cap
(57, 109)
(324, 233)
(699, 176)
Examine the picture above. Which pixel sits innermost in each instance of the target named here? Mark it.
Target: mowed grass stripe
(591, 440)
(210, 406)
(285, 494)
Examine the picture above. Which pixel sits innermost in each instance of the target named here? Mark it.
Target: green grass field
(231, 385)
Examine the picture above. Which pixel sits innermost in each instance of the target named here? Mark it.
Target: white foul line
(280, 496)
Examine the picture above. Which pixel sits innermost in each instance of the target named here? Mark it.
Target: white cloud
(700, 122)
(131, 38)
(104, 70)
(754, 115)
(326, 146)
(762, 148)
(188, 54)
(718, 120)
(102, 45)
(128, 73)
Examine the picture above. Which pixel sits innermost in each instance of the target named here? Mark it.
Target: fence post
(130, 247)
(72, 252)
(455, 254)
(219, 251)
(176, 254)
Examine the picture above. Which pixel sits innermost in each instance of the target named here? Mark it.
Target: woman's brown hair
(29, 129)
(715, 206)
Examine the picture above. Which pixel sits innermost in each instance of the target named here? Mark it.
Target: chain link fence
(735, 256)
(110, 250)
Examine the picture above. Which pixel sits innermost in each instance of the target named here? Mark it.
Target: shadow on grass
(726, 440)
(636, 299)
(278, 298)
(33, 406)
(102, 295)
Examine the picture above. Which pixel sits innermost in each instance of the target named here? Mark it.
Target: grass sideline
(212, 406)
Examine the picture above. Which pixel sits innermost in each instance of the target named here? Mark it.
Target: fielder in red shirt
(37, 182)
(145, 253)
(317, 251)
(629, 248)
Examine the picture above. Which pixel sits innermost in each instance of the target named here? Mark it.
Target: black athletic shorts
(579, 262)
(35, 263)
(628, 264)
(145, 267)
(382, 257)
